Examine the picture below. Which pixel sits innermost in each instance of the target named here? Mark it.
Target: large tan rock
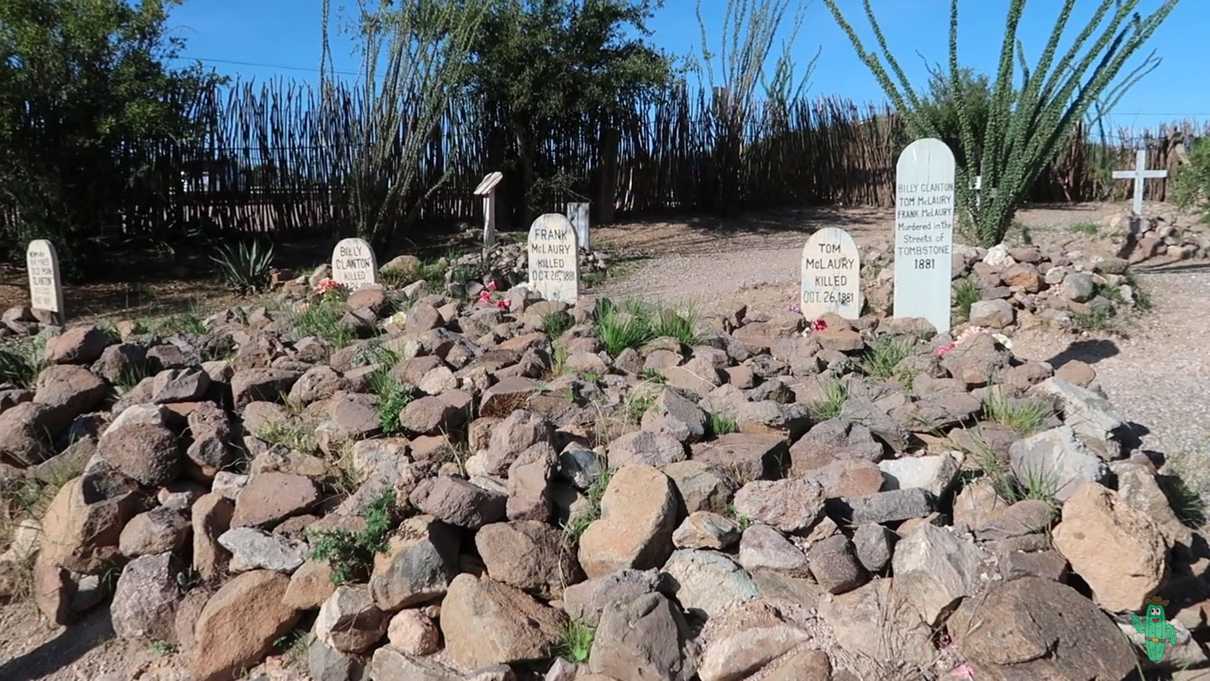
(529, 555)
(239, 624)
(1036, 628)
(83, 536)
(1095, 520)
(485, 623)
(272, 497)
(349, 621)
(211, 517)
(639, 513)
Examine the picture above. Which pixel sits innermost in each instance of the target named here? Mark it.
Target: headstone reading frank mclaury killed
(354, 265)
(831, 275)
(924, 232)
(45, 285)
(553, 264)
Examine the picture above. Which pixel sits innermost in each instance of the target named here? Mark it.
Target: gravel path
(1156, 375)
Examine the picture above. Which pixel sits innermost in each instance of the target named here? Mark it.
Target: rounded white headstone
(354, 265)
(554, 270)
(924, 232)
(45, 285)
(831, 275)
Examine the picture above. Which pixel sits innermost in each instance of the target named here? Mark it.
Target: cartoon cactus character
(1157, 633)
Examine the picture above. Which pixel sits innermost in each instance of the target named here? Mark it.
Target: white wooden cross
(1140, 175)
(977, 185)
(487, 189)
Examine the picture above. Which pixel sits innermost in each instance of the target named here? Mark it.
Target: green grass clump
(393, 396)
(966, 294)
(350, 555)
(1085, 228)
(1025, 416)
(185, 323)
(323, 319)
(882, 357)
(721, 424)
(576, 643)
(291, 434)
(1009, 486)
(743, 521)
(1098, 319)
(576, 525)
(557, 323)
(632, 324)
(835, 394)
(21, 362)
(681, 326)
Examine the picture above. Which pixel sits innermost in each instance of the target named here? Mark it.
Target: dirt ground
(1155, 373)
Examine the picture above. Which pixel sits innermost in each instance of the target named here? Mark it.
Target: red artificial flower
(819, 325)
(491, 285)
(504, 304)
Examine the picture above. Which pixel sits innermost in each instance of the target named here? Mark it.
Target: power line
(282, 67)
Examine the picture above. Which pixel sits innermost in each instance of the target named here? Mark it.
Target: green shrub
(619, 329)
(322, 318)
(189, 322)
(556, 324)
(1085, 228)
(247, 268)
(576, 643)
(1096, 319)
(721, 424)
(291, 434)
(21, 362)
(1191, 185)
(576, 525)
(966, 294)
(681, 326)
(393, 396)
(1026, 416)
(831, 403)
(350, 555)
(882, 357)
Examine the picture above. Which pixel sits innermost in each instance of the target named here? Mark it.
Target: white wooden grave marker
(45, 284)
(487, 189)
(354, 264)
(831, 275)
(924, 232)
(554, 271)
(578, 214)
(1140, 175)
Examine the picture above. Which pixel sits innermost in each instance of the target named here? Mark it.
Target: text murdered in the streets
(924, 219)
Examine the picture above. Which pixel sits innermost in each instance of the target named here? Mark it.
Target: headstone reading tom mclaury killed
(354, 265)
(553, 265)
(45, 286)
(924, 232)
(831, 275)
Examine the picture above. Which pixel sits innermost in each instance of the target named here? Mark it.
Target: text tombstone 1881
(554, 270)
(924, 232)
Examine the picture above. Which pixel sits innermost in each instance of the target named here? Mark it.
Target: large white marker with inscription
(924, 232)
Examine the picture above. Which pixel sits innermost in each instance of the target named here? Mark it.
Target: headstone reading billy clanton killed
(554, 270)
(924, 232)
(45, 285)
(354, 265)
(831, 275)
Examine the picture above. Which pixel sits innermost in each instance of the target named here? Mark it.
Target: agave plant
(246, 268)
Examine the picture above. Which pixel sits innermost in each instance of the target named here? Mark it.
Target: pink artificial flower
(945, 349)
(491, 285)
(819, 325)
(485, 296)
(504, 304)
(793, 307)
(327, 285)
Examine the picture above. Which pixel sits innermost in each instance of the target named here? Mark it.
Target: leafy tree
(79, 81)
(1030, 115)
(545, 67)
(943, 106)
(1191, 186)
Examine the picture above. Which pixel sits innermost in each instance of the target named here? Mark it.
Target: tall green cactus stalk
(1032, 113)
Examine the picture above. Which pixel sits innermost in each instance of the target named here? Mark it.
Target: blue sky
(274, 34)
